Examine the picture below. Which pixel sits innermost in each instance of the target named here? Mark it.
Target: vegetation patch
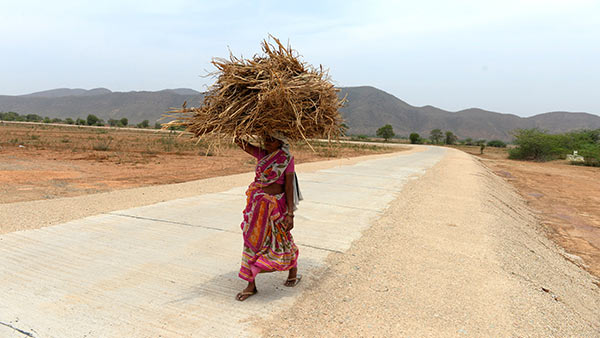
(538, 145)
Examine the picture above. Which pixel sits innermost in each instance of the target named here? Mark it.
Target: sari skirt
(267, 246)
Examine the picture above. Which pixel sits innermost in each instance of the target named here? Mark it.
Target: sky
(522, 57)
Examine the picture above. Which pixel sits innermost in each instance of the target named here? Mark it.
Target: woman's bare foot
(247, 292)
(293, 278)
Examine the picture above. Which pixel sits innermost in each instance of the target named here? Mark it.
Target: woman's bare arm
(247, 147)
(289, 198)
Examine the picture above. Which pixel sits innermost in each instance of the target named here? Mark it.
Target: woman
(269, 215)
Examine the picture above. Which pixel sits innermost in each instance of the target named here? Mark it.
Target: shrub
(92, 120)
(591, 154)
(538, 145)
(497, 144)
(124, 121)
(415, 138)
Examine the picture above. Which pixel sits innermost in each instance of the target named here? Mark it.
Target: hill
(368, 108)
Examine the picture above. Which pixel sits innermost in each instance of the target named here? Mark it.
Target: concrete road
(170, 269)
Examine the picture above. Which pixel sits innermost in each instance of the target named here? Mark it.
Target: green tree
(496, 143)
(56, 120)
(47, 119)
(386, 132)
(113, 122)
(33, 118)
(124, 121)
(415, 138)
(9, 116)
(450, 138)
(143, 124)
(92, 120)
(436, 136)
(80, 122)
(469, 141)
(69, 120)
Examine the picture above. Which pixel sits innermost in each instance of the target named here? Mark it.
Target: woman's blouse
(260, 153)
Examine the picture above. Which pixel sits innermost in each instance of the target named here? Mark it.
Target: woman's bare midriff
(273, 189)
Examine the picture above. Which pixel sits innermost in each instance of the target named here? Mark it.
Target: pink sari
(267, 246)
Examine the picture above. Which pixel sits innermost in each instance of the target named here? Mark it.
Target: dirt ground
(566, 198)
(45, 162)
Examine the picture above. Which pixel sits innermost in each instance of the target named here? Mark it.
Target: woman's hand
(289, 222)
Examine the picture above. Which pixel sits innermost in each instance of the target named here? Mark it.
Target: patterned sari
(267, 246)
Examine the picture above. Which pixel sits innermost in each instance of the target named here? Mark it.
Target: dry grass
(274, 92)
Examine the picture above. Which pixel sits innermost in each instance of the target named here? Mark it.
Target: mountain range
(366, 110)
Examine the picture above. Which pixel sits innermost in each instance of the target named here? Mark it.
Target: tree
(124, 121)
(415, 138)
(386, 132)
(157, 125)
(450, 138)
(69, 120)
(92, 119)
(143, 124)
(80, 122)
(47, 119)
(496, 143)
(469, 141)
(113, 122)
(436, 136)
(33, 118)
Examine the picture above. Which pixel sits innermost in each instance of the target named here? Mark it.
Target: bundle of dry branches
(275, 92)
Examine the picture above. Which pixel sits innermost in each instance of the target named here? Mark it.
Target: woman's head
(271, 143)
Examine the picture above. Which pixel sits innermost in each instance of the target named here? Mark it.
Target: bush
(591, 154)
(92, 120)
(143, 124)
(415, 138)
(497, 144)
(9, 116)
(538, 145)
(124, 121)
(69, 120)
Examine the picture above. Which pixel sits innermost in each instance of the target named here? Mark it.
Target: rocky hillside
(367, 109)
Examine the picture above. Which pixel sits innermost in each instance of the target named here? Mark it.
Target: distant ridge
(62, 92)
(368, 108)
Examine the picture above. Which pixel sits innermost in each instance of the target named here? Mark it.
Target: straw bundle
(271, 92)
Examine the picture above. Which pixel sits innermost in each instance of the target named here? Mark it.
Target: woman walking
(269, 215)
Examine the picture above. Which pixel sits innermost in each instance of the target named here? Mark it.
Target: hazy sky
(523, 57)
